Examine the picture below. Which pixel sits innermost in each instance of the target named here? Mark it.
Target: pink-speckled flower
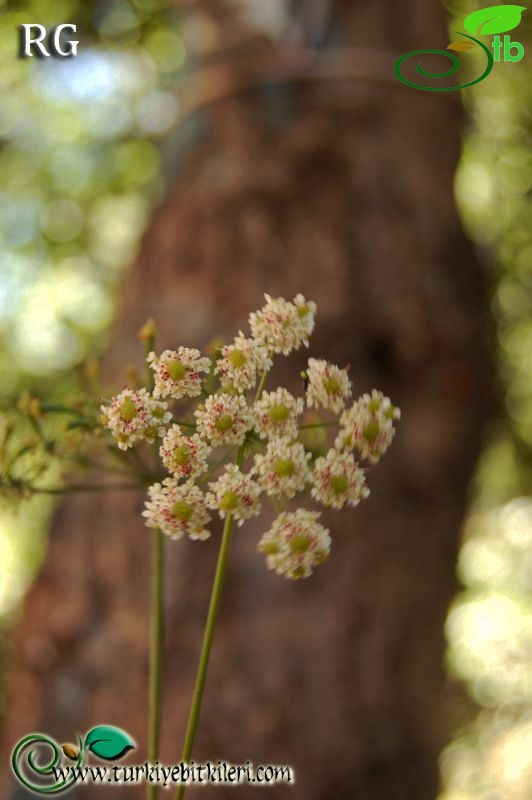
(235, 493)
(184, 456)
(177, 509)
(177, 373)
(132, 416)
(282, 326)
(224, 419)
(276, 415)
(283, 469)
(241, 363)
(368, 426)
(295, 544)
(306, 316)
(328, 386)
(338, 480)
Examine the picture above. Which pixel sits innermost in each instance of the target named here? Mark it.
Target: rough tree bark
(341, 190)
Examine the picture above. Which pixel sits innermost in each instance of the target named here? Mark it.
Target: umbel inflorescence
(227, 415)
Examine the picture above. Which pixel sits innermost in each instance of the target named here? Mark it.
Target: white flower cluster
(368, 426)
(264, 426)
(235, 493)
(132, 416)
(295, 543)
(184, 456)
(276, 415)
(282, 326)
(283, 469)
(178, 373)
(241, 363)
(177, 509)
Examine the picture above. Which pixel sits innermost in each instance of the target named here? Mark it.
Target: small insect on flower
(283, 469)
(295, 544)
(368, 426)
(177, 373)
(177, 510)
(241, 363)
(132, 416)
(328, 386)
(282, 326)
(235, 493)
(276, 415)
(184, 456)
(338, 480)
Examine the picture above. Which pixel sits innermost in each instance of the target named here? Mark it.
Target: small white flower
(184, 456)
(177, 373)
(133, 416)
(282, 326)
(224, 419)
(276, 415)
(177, 510)
(234, 493)
(306, 314)
(241, 363)
(338, 480)
(283, 469)
(368, 426)
(328, 386)
(295, 544)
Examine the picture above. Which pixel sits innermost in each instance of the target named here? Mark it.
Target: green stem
(156, 624)
(35, 424)
(56, 408)
(260, 387)
(208, 635)
(156, 652)
(215, 466)
(82, 487)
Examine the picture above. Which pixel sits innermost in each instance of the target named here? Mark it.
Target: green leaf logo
(496, 19)
(108, 743)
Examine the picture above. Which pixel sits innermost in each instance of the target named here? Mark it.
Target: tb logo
(34, 41)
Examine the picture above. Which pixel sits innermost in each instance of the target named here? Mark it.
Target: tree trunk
(340, 189)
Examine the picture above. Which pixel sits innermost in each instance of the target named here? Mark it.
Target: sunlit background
(82, 163)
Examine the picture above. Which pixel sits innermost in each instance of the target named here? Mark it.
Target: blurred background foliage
(82, 161)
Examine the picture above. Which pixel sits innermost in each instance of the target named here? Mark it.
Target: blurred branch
(220, 81)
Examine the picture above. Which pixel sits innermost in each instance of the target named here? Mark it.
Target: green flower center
(270, 548)
(237, 358)
(299, 543)
(224, 423)
(302, 310)
(182, 455)
(150, 432)
(374, 404)
(332, 385)
(284, 468)
(371, 431)
(128, 410)
(176, 369)
(339, 483)
(229, 501)
(182, 510)
(278, 413)
(158, 412)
